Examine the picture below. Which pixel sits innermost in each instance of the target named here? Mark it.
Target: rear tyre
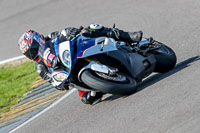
(165, 58)
(97, 81)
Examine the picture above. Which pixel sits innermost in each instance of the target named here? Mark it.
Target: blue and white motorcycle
(105, 65)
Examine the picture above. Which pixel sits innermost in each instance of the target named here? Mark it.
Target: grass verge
(14, 82)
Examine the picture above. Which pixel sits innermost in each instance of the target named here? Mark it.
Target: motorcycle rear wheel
(107, 85)
(165, 58)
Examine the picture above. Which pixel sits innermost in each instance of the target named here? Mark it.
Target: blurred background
(168, 102)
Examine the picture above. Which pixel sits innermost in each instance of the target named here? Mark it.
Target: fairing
(82, 47)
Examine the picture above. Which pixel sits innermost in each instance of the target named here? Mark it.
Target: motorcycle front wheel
(120, 84)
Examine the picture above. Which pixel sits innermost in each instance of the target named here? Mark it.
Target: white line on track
(12, 59)
(43, 111)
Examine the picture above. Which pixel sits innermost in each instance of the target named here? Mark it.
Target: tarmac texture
(165, 103)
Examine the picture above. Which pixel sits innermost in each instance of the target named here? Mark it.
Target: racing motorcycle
(105, 65)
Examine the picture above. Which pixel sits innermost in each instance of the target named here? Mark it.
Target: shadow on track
(157, 77)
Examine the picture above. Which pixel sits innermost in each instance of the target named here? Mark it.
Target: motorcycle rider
(36, 47)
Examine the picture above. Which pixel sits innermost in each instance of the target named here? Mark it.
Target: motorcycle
(105, 65)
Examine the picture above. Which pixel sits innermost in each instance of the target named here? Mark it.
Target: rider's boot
(135, 36)
(126, 36)
(115, 33)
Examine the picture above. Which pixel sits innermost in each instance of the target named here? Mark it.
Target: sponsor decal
(51, 57)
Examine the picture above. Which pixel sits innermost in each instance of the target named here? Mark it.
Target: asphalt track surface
(165, 103)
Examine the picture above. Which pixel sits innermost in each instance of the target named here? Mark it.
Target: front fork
(98, 68)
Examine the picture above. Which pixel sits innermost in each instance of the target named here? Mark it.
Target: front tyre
(119, 84)
(165, 58)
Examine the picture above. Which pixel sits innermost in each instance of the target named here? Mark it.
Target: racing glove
(70, 32)
(52, 36)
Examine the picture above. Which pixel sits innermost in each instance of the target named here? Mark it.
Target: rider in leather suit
(37, 47)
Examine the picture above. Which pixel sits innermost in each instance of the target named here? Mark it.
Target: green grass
(14, 82)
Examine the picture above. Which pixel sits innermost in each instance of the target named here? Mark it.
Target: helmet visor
(32, 52)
